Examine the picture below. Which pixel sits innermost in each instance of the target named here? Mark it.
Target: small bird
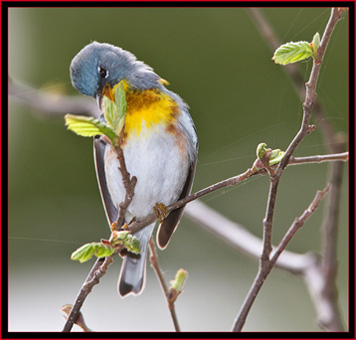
(160, 147)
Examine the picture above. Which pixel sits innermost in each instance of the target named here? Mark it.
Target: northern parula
(160, 147)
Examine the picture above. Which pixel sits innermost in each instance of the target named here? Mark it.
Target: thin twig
(298, 223)
(294, 72)
(138, 225)
(266, 268)
(310, 94)
(128, 182)
(342, 156)
(80, 322)
(335, 143)
(98, 270)
(134, 227)
(305, 129)
(308, 265)
(157, 269)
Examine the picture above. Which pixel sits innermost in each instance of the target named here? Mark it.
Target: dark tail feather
(133, 269)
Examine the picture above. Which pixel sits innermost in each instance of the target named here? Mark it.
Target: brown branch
(308, 265)
(298, 223)
(138, 225)
(336, 144)
(293, 71)
(157, 269)
(266, 267)
(80, 322)
(128, 182)
(342, 156)
(98, 270)
(310, 96)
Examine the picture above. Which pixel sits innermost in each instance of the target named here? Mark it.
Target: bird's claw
(161, 211)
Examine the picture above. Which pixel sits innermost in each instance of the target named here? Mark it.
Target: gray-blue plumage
(118, 63)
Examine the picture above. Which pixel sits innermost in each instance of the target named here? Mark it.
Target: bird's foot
(113, 226)
(125, 226)
(161, 211)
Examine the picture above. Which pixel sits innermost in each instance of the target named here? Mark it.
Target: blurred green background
(218, 62)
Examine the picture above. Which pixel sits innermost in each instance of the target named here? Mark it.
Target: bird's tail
(133, 269)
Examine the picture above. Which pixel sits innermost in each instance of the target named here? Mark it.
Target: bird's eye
(103, 73)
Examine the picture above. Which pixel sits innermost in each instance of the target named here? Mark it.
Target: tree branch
(310, 94)
(138, 225)
(128, 182)
(100, 266)
(308, 265)
(157, 269)
(336, 144)
(266, 263)
(96, 273)
(342, 156)
(266, 267)
(294, 72)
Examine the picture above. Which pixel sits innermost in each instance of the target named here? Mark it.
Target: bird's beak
(99, 97)
(107, 91)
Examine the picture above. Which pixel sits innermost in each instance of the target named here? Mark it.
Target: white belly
(160, 167)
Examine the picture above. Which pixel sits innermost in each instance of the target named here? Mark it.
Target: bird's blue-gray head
(99, 64)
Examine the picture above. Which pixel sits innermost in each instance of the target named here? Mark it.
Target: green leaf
(261, 150)
(104, 250)
(85, 252)
(118, 236)
(292, 52)
(110, 111)
(276, 156)
(89, 127)
(132, 244)
(114, 112)
(120, 100)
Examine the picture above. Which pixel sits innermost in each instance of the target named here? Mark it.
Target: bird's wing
(170, 223)
(99, 152)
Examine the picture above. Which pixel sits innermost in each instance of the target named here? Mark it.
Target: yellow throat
(150, 107)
